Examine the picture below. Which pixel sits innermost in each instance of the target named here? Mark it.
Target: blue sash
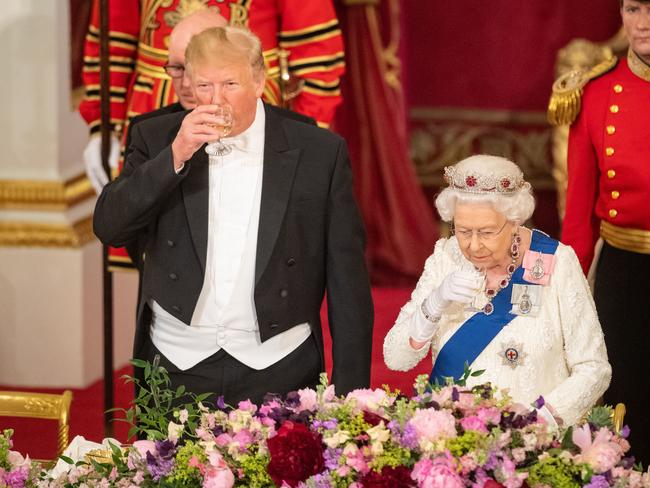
(478, 331)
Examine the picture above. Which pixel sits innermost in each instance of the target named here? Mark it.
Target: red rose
(470, 181)
(296, 454)
(505, 183)
(399, 477)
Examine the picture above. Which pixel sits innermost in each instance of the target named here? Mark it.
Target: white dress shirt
(225, 315)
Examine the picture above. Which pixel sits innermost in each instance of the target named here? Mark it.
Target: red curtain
(399, 221)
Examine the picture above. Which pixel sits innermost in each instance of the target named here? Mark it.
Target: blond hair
(219, 46)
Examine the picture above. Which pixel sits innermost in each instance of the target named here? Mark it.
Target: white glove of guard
(93, 160)
(460, 286)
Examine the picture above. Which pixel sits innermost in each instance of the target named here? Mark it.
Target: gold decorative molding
(44, 195)
(441, 136)
(33, 234)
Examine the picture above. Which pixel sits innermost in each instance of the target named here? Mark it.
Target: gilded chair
(39, 406)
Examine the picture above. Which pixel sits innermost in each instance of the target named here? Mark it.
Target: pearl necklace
(490, 293)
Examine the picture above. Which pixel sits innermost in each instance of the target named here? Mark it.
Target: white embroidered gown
(562, 353)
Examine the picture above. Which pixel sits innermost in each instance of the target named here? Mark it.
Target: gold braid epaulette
(564, 105)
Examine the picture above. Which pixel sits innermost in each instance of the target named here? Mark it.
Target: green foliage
(5, 439)
(255, 474)
(183, 474)
(556, 472)
(156, 404)
(463, 444)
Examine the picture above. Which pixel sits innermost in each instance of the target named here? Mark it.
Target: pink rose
(602, 453)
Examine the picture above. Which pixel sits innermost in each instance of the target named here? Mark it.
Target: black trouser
(222, 374)
(622, 295)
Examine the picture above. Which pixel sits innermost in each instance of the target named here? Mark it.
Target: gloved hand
(459, 286)
(93, 160)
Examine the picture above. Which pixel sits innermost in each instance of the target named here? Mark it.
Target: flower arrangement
(445, 436)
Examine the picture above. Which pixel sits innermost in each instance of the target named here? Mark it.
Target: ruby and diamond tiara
(472, 182)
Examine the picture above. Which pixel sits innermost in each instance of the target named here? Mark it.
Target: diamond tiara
(473, 182)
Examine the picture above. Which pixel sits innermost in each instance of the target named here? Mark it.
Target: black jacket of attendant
(310, 236)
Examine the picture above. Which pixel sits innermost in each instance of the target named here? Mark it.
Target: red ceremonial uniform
(139, 36)
(609, 163)
(608, 195)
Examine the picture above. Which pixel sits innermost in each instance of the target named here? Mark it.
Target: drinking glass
(224, 126)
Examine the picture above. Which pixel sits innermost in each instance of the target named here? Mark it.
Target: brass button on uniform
(613, 213)
(618, 88)
(611, 129)
(613, 109)
(173, 276)
(615, 195)
(291, 262)
(609, 151)
(284, 293)
(171, 243)
(611, 173)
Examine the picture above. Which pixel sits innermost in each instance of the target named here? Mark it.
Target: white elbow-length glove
(460, 286)
(93, 160)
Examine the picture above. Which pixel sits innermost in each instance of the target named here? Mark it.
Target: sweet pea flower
(370, 400)
(247, 405)
(490, 415)
(474, 423)
(183, 415)
(174, 431)
(145, 446)
(308, 399)
(337, 438)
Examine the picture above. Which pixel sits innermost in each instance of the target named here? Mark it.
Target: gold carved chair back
(40, 406)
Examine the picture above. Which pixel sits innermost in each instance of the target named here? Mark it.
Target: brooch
(538, 267)
(512, 354)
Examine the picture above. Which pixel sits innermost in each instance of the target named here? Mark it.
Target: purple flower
(331, 457)
(539, 403)
(625, 432)
(455, 396)
(16, 478)
(325, 424)
(598, 481)
(292, 399)
(166, 449)
(221, 404)
(409, 437)
(158, 467)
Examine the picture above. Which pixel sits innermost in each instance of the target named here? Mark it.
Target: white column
(50, 263)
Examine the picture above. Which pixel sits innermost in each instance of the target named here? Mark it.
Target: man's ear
(259, 85)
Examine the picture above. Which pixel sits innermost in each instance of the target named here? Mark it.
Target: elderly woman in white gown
(503, 299)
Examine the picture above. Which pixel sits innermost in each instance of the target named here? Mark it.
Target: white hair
(516, 206)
